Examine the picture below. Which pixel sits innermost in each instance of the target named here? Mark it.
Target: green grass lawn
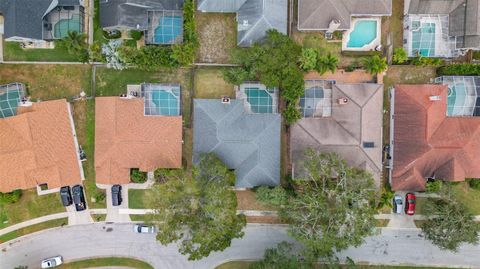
(209, 83)
(245, 265)
(468, 196)
(30, 206)
(100, 262)
(46, 82)
(13, 52)
(33, 228)
(137, 199)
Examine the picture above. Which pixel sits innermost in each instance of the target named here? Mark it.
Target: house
(38, 144)
(247, 142)
(143, 132)
(441, 28)
(341, 118)
(318, 15)
(38, 22)
(431, 141)
(254, 17)
(160, 20)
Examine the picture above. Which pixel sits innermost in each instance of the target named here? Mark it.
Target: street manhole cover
(109, 229)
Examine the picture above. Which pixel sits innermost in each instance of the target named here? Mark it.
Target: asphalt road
(392, 246)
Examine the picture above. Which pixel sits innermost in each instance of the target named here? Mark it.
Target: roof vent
(245, 22)
(342, 101)
(435, 98)
(368, 144)
(226, 100)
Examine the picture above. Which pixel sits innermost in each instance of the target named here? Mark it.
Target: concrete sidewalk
(33, 222)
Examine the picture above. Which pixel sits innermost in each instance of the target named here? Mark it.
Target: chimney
(226, 100)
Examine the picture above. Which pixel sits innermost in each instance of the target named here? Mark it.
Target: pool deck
(372, 45)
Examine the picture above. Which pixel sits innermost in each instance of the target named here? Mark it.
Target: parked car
(143, 229)
(116, 195)
(398, 204)
(410, 200)
(65, 195)
(52, 262)
(79, 198)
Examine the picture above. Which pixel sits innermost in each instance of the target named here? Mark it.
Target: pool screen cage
(317, 99)
(266, 103)
(10, 97)
(463, 98)
(165, 27)
(427, 35)
(161, 99)
(68, 17)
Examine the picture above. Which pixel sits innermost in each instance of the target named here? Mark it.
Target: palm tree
(327, 63)
(375, 64)
(75, 40)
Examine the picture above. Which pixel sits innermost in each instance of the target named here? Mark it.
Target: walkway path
(33, 222)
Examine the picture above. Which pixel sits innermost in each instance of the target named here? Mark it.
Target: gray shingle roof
(464, 20)
(228, 6)
(23, 18)
(248, 143)
(132, 13)
(317, 14)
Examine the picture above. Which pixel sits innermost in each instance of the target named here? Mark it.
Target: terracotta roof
(125, 139)
(37, 146)
(427, 143)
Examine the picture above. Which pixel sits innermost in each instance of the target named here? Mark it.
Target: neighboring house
(254, 17)
(429, 142)
(322, 15)
(38, 144)
(142, 132)
(441, 28)
(246, 142)
(38, 22)
(341, 118)
(160, 20)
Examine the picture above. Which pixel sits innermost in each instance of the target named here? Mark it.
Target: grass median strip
(114, 261)
(33, 228)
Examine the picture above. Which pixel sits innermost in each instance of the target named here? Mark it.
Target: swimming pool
(423, 38)
(456, 100)
(364, 33)
(9, 102)
(168, 30)
(309, 101)
(63, 26)
(260, 100)
(161, 99)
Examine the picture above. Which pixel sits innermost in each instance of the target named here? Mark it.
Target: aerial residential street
(394, 246)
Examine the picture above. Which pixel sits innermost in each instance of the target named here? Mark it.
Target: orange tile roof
(37, 146)
(427, 143)
(125, 138)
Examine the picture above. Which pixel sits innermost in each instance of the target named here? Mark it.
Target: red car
(410, 204)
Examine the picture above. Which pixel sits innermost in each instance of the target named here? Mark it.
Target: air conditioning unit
(342, 101)
(226, 100)
(435, 98)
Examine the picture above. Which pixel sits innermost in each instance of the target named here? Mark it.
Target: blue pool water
(423, 39)
(260, 100)
(456, 100)
(168, 30)
(167, 103)
(364, 32)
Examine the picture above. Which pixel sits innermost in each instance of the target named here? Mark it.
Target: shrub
(399, 56)
(135, 35)
(375, 64)
(352, 67)
(308, 59)
(386, 197)
(272, 196)
(459, 69)
(476, 55)
(424, 61)
(474, 183)
(433, 186)
(112, 34)
(291, 114)
(10, 197)
(137, 176)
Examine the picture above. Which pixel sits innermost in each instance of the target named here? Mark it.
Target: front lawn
(47, 82)
(33, 228)
(137, 199)
(13, 52)
(107, 262)
(30, 206)
(217, 33)
(245, 264)
(468, 196)
(209, 83)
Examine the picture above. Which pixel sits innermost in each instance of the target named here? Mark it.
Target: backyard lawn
(33, 228)
(137, 199)
(30, 206)
(217, 34)
(107, 262)
(46, 82)
(13, 52)
(209, 83)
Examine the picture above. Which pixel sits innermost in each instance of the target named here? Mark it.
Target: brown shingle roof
(125, 138)
(427, 143)
(37, 147)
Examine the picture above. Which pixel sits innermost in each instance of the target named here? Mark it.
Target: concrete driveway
(113, 214)
(78, 217)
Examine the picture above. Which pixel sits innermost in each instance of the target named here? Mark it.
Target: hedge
(459, 70)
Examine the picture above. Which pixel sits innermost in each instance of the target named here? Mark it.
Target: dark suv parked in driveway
(78, 198)
(116, 195)
(65, 195)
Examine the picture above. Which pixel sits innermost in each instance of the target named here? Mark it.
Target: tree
(308, 59)
(282, 257)
(76, 45)
(399, 56)
(197, 209)
(449, 223)
(326, 63)
(274, 196)
(334, 205)
(375, 64)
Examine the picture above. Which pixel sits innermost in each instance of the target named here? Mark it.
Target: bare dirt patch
(217, 35)
(246, 201)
